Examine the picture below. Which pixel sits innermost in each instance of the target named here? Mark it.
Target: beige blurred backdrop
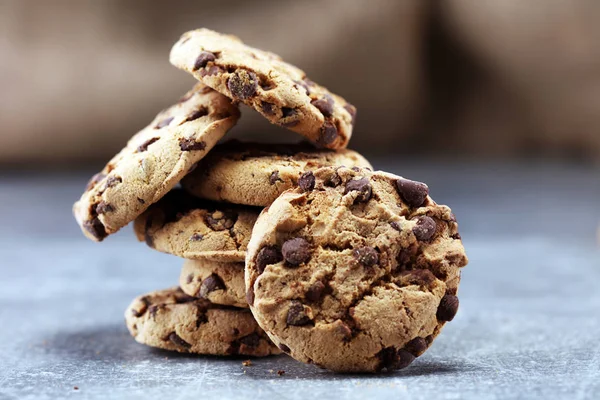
(450, 79)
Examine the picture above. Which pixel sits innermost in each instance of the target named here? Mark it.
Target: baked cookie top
(188, 227)
(171, 320)
(154, 161)
(217, 282)
(356, 272)
(262, 80)
(256, 174)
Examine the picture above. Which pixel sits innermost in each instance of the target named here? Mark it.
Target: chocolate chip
(456, 236)
(144, 146)
(366, 255)
(152, 310)
(287, 112)
(196, 237)
(296, 315)
(296, 251)
(201, 112)
(95, 228)
(266, 256)
(325, 105)
(189, 278)
(396, 226)
(163, 123)
(210, 71)
(191, 144)
(203, 58)
(284, 348)
(388, 358)
(303, 85)
(315, 291)
(447, 308)
(416, 347)
(148, 238)
(201, 317)
(361, 185)
(145, 303)
(425, 228)
(103, 208)
(404, 359)
(267, 108)
(334, 180)
(414, 193)
(221, 221)
(113, 181)
(274, 177)
(250, 295)
(178, 341)
(242, 84)
(252, 340)
(94, 181)
(328, 133)
(210, 284)
(307, 181)
(351, 110)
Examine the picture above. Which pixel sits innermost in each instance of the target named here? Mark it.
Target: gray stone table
(528, 326)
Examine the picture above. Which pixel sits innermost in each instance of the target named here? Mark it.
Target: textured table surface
(528, 326)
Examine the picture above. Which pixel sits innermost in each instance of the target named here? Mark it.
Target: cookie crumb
(246, 363)
(271, 371)
(280, 372)
(75, 387)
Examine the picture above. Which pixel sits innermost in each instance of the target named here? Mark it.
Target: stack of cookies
(301, 248)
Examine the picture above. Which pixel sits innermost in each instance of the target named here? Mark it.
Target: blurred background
(453, 79)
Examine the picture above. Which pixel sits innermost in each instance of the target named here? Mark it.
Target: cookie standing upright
(188, 227)
(171, 320)
(154, 161)
(356, 272)
(262, 80)
(256, 174)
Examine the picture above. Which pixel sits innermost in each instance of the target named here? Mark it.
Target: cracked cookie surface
(256, 174)
(279, 91)
(192, 228)
(357, 272)
(220, 283)
(171, 320)
(154, 161)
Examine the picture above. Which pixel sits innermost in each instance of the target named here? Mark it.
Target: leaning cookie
(188, 227)
(279, 91)
(171, 320)
(256, 174)
(356, 272)
(220, 283)
(154, 161)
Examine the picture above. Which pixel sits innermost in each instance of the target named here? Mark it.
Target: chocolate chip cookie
(255, 174)
(154, 161)
(188, 227)
(279, 91)
(220, 283)
(169, 319)
(356, 272)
